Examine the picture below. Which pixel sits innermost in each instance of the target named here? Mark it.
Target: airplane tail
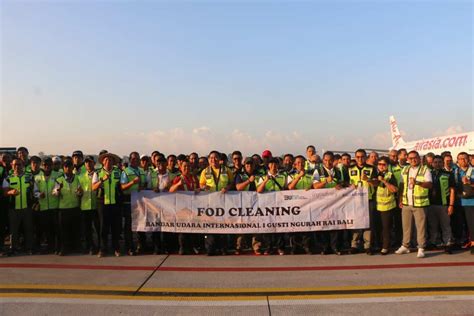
(397, 139)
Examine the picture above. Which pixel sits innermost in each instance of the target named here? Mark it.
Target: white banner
(250, 212)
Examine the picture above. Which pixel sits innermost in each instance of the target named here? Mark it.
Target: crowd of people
(80, 203)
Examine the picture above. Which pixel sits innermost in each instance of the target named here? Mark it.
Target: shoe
(131, 252)
(181, 251)
(353, 251)
(402, 250)
(196, 250)
(117, 253)
(266, 253)
(337, 252)
(421, 253)
(237, 252)
(60, 253)
(100, 254)
(369, 252)
(308, 251)
(281, 252)
(324, 252)
(257, 252)
(384, 252)
(448, 250)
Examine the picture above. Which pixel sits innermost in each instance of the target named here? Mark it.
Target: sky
(183, 76)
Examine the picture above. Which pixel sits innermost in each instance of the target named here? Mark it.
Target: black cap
(77, 153)
(89, 158)
(181, 157)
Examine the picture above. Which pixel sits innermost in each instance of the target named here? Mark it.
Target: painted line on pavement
(232, 269)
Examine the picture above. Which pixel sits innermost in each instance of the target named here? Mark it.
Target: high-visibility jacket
(89, 197)
(24, 185)
(420, 194)
(443, 177)
(385, 199)
(305, 182)
(110, 187)
(216, 183)
(68, 197)
(355, 175)
(324, 175)
(46, 185)
(277, 183)
(133, 173)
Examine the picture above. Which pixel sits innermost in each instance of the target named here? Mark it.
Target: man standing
(414, 189)
(363, 175)
(48, 203)
(20, 187)
(89, 215)
(78, 161)
(300, 180)
(442, 197)
(273, 181)
(216, 178)
(464, 177)
(311, 159)
(133, 179)
(69, 191)
(108, 181)
(327, 177)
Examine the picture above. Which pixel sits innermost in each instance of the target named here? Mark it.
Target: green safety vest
(420, 194)
(277, 183)
(307, 166)
(110, 186)
(245, 177)
(356, 178)
(305, 182)
(133, 173)
(82, 170)
(396, 171)
(24, 185)
(89, 197)
(68, 197)
(444, 185)
(385, 199)
(323, 177)
(222, 179)
(46, 185)
(154, 178)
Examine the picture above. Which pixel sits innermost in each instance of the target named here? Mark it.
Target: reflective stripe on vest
(222, 179)
(385, 199)
(23, 185)
(355, 178)
(420, 194)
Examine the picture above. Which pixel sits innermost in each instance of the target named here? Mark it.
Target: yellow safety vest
(420, 194)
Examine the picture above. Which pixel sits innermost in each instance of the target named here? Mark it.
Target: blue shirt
(459, 174)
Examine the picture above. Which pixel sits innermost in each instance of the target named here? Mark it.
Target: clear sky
(194, 76)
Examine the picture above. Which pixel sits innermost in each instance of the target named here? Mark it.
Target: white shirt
(412, 174)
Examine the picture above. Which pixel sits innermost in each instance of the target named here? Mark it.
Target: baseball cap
(77, 153)
(57, 159)
(89, 158)
(267, 154)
